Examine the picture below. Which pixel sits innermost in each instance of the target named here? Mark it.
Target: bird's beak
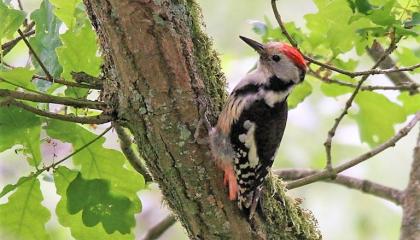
(259, 47)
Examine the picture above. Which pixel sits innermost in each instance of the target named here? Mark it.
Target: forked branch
(98, 119)
(366, 186)
(327, 174)
(52, 99)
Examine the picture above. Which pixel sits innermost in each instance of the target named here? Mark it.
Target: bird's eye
(276, 58)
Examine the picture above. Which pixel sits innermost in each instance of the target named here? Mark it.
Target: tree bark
(161, 72)
(410, 228)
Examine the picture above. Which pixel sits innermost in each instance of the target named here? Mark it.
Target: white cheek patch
(272, 97)
(248, 140)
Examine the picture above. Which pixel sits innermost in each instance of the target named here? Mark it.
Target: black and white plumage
(250, 127)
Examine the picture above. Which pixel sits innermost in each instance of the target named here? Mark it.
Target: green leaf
(335, 90)
(72, 199)
(383, 16)
(299, 94)
(414, 21)
(18, 126)
(10, 20)
(23, 216)
(46, 39)
(376, 117)
(362, 6)
(18, 76)
(407, 57)
(66, 11)
(99, 162)
(98, 205)
(411, 103)
(79, 52)
(11, 187)
(332, 34)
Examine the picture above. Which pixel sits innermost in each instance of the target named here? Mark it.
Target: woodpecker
(251, 125)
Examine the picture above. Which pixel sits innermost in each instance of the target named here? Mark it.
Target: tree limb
(366, 186)
(156, 231)
(327, 174)
(126, 148)
(98, 119)
(410, 227)
(68, 83)
(53, 99)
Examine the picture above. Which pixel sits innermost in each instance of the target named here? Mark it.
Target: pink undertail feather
(230, 181)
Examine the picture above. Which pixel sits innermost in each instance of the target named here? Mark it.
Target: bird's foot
(203, 122)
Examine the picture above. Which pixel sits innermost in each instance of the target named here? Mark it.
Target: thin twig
(126, 148)
(68, 83)
(402, 87)
(327, 174)
(366, 186)
(331, 132)
(156, 231)
(53, 165)
(47, 73)
(52, 99)
(98, 119)
(280, 22)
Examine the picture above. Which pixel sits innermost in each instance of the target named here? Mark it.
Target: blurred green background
(342, 213)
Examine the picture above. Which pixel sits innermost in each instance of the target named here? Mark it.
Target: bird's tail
(248, 201)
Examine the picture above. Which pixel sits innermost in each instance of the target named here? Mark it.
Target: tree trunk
(410, 228)
(161, 71)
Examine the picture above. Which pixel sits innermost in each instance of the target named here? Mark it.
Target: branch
(398, 78)
(68, 83)
(82, 77)
(327, 173)
(349, 102)
(156, 231)
(133, 159)
(366, 186)
(53, 165)
(52, 99)
(410, 229)
(98, 119)
(327, 66)
(411, 87)
(50, 78)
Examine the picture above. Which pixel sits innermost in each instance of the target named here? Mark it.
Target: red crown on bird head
(294, 55)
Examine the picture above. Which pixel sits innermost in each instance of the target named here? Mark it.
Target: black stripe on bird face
(277, 84)
(247, 89)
